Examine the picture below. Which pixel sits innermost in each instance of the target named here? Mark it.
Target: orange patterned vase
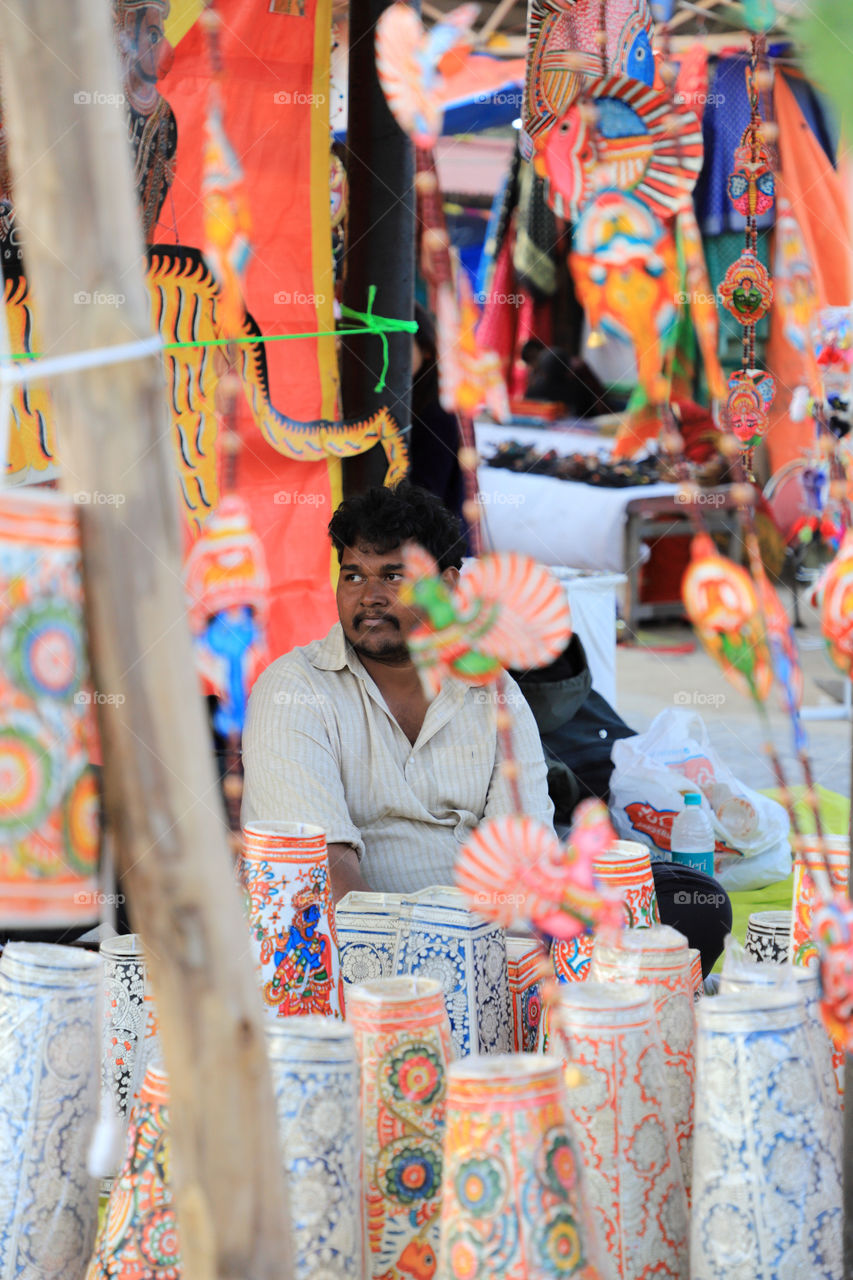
(621, 1120)
(284, 871)
(659, 958)
(803, 950)
(402, 1036)
(524, 960)
(513, 1203)
(625, 867)
(138, 1239)
(49, 829)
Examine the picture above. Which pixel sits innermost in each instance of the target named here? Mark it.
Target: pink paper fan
(526, 616)
(500, 865)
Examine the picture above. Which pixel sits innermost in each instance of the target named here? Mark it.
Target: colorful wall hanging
(440, 938)
(640, 141)
(402, 1038)
(139, 1231)
(563, 53)
(49, 1083)
(620, 1116)
(625, 271)
(315, 1077)
(284, 872)
(765, 1191)
(227, 587)
(514, 1203)
(49, 824)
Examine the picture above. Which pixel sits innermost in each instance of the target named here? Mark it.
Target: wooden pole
(380, 244)
(71, 169)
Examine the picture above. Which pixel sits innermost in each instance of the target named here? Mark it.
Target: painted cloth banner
(275, 110)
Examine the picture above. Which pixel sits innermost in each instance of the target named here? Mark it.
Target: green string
(378, 325)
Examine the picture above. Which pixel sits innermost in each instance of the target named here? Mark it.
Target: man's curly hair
(384, 518)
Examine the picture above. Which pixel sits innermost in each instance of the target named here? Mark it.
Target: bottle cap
(692, 797)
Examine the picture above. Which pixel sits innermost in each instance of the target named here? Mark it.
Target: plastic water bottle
(692, 837)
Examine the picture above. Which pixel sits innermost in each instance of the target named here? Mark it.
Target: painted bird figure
(514, 870)
(507, 611)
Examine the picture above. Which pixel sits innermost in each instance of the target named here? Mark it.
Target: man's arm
(291, 771)
(345, 872)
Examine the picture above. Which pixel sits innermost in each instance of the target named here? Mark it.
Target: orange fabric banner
(816, 194)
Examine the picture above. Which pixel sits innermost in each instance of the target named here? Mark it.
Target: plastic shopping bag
(654, 770)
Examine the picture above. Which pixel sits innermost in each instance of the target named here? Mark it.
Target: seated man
(339, 733)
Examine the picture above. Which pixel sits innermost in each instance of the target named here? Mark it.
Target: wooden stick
(77, 210)
(494, 20)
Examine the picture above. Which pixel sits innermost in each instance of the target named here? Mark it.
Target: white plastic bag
(654, 770)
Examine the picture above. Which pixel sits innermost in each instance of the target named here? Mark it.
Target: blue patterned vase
(315, 1077)
(766, 1186)
(367, 935)
(49, 1082)
(440, 938)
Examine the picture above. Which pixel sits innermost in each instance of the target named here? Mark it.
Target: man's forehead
(362, 554)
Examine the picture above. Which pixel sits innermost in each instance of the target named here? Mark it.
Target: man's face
(373, 618)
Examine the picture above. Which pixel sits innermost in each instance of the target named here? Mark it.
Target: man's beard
(388, 648)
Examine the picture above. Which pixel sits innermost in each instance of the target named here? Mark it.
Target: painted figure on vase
(302, 981)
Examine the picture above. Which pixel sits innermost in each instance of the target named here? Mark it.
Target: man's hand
(345, 871)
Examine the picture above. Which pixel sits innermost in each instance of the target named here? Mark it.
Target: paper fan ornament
(640, 142)
(514, 870)
(722, 604)
(508, 611)
(411, 63)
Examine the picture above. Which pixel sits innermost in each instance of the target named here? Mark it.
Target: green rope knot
(381, 326)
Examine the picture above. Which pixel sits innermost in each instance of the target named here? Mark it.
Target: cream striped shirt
(321, 746)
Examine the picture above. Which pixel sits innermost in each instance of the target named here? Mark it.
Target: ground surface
(651, 675)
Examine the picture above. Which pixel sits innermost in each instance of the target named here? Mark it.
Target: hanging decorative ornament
(640, 141)
(832, 340)
(751, 185)
(722, 604)
(564, 53)
(746, 290)
(411, 64)
(624, 266)
(751, 393)
(507, 611)
(784, 655)
(514, 870)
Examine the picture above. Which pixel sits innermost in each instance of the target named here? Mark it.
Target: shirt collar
(333, 653)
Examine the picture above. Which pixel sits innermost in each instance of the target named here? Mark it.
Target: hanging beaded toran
(747, 291)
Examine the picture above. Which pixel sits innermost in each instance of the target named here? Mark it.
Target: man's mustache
(376, 617)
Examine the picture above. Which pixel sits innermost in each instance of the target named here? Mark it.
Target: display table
(589, 527)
